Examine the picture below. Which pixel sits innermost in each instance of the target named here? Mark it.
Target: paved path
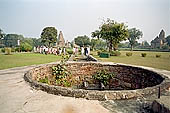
(16, 96)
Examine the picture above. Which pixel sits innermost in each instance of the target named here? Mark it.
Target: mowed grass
(25, 59)
(150, 60)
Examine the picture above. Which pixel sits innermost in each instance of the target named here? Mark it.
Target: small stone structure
(159, 41)
(134, 81)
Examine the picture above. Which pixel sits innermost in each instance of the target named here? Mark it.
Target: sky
(81, 17)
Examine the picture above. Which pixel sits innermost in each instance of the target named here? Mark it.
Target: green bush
(128, 54)
(115, 53)
(8, 51)
(13, 49)
(26, 47)
(143, 54)
(3, 50)
(157, 56)
(103, 76)
(44, 80)
(98, 53)
(104, 55)
(70, 52)
(17, 49)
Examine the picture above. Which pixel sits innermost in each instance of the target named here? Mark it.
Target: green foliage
(115, 53)
(104, 55)
(112, 32)
(43, 80)
(59, 71)
(134, 35)
(64, 83)
(82, 40)
(165, 47)
(3, 50)
(1, 34)
(128, 54)
(49, 36)
(103, 76)
(10, 40)
(158, 56)
(143, 54)
(98, 52)
(8, 51)
(168, 40)
(70, 52)
(26, 47)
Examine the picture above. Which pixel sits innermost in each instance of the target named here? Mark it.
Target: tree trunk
(110, 47)
(131, 47)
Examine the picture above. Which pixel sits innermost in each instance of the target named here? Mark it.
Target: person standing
(82, 51)
(64, 51)
(88, 50)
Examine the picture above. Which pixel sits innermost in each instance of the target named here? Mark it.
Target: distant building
(61, 41)
(159, 41)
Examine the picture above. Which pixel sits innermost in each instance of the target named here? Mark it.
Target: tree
(10, 40)
(49, 36)
(1, 34)
(168, 40)
(134, 35)
(82, 40)
(112, 32)
(25, 46)
(94, 42)
(145, 44)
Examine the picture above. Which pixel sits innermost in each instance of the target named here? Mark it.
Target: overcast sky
(81, 17)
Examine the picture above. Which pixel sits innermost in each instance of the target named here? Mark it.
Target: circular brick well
(129, 82)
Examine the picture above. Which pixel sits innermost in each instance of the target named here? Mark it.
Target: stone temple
(159, 41)
(61, 41)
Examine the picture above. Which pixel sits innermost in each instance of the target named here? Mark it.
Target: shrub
(128, 54)
(70, 52)
(143, 54)
(44, 80)
(12, 49)
(157, 56)
(98, 53)
(8, 51)
(61, 75)
(104, 55)
(3, 50)
(115, 53)
(103, 76)
(17, 49)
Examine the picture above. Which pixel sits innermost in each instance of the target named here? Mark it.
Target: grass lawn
(150, 60)
(25, 59)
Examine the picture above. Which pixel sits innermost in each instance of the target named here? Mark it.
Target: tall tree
(134, 35)
(82, 40)
(2, 34)
(112, 32)
(49, 36)
(10, 40)
(168, 40)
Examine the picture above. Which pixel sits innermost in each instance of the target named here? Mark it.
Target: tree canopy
(82, 40)
(168, 40)
(49, 36)
(112, 32)
(134, 35)
(2, 34)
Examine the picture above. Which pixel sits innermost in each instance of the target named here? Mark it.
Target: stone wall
(81, 70)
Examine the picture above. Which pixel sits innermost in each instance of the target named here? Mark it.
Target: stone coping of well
(95, 94)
